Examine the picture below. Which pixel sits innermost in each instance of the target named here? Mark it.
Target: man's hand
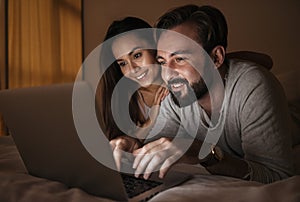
(162, 154)
(123, 144)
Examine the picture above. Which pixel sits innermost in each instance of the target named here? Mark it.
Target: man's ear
(218, 55)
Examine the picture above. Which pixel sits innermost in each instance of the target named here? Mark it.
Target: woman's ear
(218, 56)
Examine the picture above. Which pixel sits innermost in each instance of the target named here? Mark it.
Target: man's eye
(137, 55)
(180, 60)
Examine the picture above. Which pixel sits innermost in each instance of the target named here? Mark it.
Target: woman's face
(136, 61)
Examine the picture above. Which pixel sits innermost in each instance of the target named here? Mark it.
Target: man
(252, 124)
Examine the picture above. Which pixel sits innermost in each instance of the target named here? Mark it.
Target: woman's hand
(160, 95)
(146, 127)
(123, 144)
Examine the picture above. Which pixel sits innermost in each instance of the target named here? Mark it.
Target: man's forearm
(228, 166)
(231, 166)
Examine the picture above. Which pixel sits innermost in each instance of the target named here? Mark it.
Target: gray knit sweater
(255, 121)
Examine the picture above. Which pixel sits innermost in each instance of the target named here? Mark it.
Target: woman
(135, 61)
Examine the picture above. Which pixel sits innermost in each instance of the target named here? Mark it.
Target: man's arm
(266, 140)
(165, 144)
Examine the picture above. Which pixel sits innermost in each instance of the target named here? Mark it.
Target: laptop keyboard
(135, 186)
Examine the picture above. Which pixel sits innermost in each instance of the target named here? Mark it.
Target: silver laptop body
(41, 123)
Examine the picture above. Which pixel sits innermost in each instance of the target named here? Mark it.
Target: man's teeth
(177, 85)
(141, 76)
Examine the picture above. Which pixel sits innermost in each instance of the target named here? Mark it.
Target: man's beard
(195, 92)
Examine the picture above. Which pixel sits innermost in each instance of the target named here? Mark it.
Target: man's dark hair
(209, 21)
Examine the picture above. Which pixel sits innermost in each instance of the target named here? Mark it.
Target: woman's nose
(134, 67)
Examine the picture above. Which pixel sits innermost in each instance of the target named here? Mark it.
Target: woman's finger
(166, 93)
(117, 154)
(158, 95)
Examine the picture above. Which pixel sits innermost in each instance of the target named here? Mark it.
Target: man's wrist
(215, 156)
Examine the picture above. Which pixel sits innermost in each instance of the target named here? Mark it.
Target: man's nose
(168, 73)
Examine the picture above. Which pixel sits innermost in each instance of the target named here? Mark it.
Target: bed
(17, 185)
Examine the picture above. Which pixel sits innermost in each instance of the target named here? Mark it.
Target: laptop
(41, 123)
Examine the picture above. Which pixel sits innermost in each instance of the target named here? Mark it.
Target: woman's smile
(143, 75)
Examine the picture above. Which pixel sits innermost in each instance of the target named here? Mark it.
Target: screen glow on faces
(135, 61)
(178, 68)
(83, 100)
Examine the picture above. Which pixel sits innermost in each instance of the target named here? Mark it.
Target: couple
(171, 88)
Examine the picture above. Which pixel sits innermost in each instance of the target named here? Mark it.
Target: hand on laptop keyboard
(123, 147)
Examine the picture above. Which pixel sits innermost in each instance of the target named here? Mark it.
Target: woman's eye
(122, 64)
(137, 55)
(161, 62)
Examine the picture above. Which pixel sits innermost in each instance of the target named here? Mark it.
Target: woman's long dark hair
(111, 76)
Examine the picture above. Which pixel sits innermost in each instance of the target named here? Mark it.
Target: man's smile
(177, 84)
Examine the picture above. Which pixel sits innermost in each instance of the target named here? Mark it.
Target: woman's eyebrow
(159, 57)
(134, 49)
(131, 52)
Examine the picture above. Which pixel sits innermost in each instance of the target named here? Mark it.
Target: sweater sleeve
(264, 121)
